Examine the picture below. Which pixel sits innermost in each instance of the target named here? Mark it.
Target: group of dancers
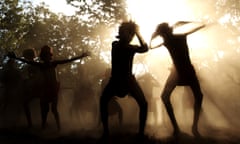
(122, 81)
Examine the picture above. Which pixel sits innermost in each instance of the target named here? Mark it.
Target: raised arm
(195, 29)
(24, 60)
(143, 45)
(150, 43)
(180, 23)
(72, 59)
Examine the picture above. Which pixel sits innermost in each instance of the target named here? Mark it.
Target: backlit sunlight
(204, 47)
(59, 6)
(148, 14)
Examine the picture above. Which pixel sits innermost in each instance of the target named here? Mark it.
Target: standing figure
(51, 85)
(122, 81)
(32, 83)
(182, 74)
(113, 105)
(12, 91)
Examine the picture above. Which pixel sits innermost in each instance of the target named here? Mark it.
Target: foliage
(14, 24)
(107, 12)
(23, 25)
(101, 16)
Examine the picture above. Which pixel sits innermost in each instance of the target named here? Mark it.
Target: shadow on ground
(17, 136)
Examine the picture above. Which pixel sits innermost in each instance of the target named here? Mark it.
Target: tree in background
(14, 24)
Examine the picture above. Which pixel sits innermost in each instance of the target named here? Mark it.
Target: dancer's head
(46, 53)
(162, 29)
(126, 31)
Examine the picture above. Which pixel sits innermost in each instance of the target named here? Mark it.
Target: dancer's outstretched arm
(195, 29)
(24, 60)
(72, 59)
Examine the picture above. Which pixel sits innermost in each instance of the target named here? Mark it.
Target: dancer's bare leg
(169, 87)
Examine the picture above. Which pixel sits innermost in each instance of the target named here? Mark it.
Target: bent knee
(199, 98)
(144, 104)
(165, 99)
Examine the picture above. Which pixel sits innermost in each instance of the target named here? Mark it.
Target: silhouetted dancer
(11, 80)
(32, 83)
(122, 81)
(182, 74)
(113, 106)
(12, 94)
(51, 85)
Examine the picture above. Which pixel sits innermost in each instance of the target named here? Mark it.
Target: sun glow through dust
(148, 14)
(207, 46)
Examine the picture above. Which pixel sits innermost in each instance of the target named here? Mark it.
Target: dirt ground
(36, 136)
